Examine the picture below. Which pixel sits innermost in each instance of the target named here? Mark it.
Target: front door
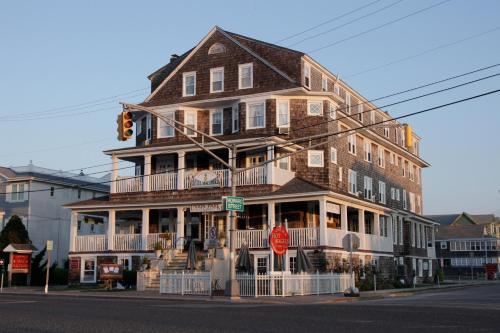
(88, 273)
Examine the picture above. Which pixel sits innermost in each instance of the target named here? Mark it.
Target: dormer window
(217, 79)
(245, 76)
(189, 84)
(307, 75)
(217, 48)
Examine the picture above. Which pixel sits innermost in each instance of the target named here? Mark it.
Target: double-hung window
(332, 111)
(217, 79)
(393, 193)
(351, 143)
(381, 157)
(398, 195)
(235, 119)
(307, 75)
(283, 117)
(372, 116)
(315, 108)
(386, 132)
(368, 188)
(352, 177)
(166, 130)
(368, 151)
(190, 120)
(315, 158)
(189, 84)
(256, 115)
(381, 192)
(333, 155)
(360, 112)
(245, 76)
(216, 122)
(348, 103)
(324, 82)
(283, 163)
(405, 204)
(17, 192)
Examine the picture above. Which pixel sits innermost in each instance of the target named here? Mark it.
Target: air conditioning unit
(284, 130)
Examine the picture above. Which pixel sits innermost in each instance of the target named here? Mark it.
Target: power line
(378, 27)
(327, 21)
(345, 24)
(56, 148)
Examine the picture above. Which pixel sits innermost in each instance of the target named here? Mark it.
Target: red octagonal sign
(279, 240)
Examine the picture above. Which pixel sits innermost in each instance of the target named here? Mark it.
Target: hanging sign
(279, 240)
(205, 178)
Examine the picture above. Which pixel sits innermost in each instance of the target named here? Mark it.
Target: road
(473, 309)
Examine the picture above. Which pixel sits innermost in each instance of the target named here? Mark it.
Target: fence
(186, 283)
(286, 284)
(88, 243)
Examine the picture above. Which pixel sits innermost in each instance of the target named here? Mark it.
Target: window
(360, 112)
(52, 190)
(368, 188)
(88, 270)
(190, 120)
(392, 158)
(216, 122)
(336, 89)
(324, 82)
(283, 117)
(332, 111)
(405, 205)
(315, 158)
(372, 116)
(164, 129)
(412, 202)
(381, 157)
(256, 115)
(79, 226)
(381, 192)
(394, 231)
(283, 163)
(351, 143)
(314, 108)
(216, 48)
(393, 193)
(398, 196)
(341, 170)
(293, 264)
(333, 155)
(189, 84)
(386, 132)
(149, 125)
(17, 192)
(400, 231)
(245, 74)
(307, 75)
(236, 119)
(353, 181)
(383, 226)
(368, 151)
(217, 79)
(348, 103)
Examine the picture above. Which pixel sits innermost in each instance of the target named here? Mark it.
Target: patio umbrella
(243, 260)
(191, 257)
(303, 263)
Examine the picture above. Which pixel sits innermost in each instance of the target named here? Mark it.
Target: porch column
(229, 160)
(147, 173)
(180, 228)
(114, 173)
(270, 225)
(376, 224)
(145, 228)
(270, 166)
(181, 164)
(361, 220)
(73, 231)
(111, 229)
(323, 229)
(343, 218)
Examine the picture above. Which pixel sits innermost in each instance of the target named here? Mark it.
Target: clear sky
(61, 53)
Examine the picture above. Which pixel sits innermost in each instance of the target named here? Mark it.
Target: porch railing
(221, 180)
(163, 181)
(252, 238)
(128, 242)
(255, 176)
(91, 243)
(129, 184)
(186, 283)
(305, 237)
(153, 239)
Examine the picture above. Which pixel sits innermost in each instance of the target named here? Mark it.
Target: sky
(57, 54)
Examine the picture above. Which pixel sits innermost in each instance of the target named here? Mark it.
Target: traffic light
(125, 125)
(408, 136)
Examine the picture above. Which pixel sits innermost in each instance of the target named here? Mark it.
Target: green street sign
(235, 204)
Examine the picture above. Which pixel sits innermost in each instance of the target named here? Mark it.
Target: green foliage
(38, 265)
(129, 278)
(14, 232)
(58, 276)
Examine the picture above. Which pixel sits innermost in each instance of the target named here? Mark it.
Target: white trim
(310, 154)
(212, 71)
(278, 101)
(212, 111)
(352, 182)
(324, 82)
(311, 102)
(247, 114)
(333, 153)
(307, 68)
(160, 121)
(184, 76)
(235, 111)
(240, 68)
(190, 112)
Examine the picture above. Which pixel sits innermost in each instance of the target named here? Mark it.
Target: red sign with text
(20, 262)
(279, 240)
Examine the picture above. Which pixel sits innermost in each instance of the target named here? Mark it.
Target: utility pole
(232, 287)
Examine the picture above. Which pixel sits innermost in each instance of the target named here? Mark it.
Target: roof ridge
(263, 42)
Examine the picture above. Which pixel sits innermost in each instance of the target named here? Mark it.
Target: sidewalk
(312, 299)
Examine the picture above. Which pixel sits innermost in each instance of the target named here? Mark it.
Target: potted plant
(168, 238)
(158, 249)
(222, 238)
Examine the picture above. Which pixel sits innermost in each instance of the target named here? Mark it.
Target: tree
(14, 232)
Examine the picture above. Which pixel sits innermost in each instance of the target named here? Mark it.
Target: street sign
(235, 204)
(50, 245)
(212, 237)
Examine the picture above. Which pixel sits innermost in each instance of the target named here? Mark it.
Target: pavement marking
(16, 302)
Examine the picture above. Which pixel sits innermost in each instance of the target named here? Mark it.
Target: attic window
(217, 48)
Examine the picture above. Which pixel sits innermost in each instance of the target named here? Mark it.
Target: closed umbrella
(243, 260)
(303, 263)
(191, 257)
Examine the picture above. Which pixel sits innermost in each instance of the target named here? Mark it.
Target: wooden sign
(110, 272)
(279, 240)
(20, 263)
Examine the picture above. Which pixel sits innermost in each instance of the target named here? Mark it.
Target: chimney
(173, 57)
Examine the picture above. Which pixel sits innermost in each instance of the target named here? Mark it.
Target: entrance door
(88, 273)
(193, 227)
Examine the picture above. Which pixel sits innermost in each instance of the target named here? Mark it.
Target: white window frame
(398, 195)
(169, 115)
(333, 155)
(212, 113)
(310, 156)
(381, 157)
(184, 77)
(249, 105)
(212, 72)
(393, 193)
(368, 151)
(360, 112)
(332, 110)
(190, 112)
(372, 116)
(235, 119)
(307, 75)
(324, 82)
(352, 177)
(309, 103)
(348, 103)
(278, 113)
(386, 132)
(405, 203)
(382, 192)
(368, 188)
(444, 245)
(336, 89)
(351, 144)
(241, 67)
(16, 192)
(341, 171)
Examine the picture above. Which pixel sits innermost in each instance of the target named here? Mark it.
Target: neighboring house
(490, 222)
(37, 195)
(249, 93)
(465, 249)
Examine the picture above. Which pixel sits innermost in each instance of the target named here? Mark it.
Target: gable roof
(452, 219)
(447, 219)
(459, 231)
(484, 218)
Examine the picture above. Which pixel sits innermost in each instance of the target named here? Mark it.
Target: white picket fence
(186, 283)
(286, 284)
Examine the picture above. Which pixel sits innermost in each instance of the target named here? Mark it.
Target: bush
(398, 285)
(129, 278)
(58, 276)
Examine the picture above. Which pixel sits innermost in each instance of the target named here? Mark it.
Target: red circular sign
(279, 240)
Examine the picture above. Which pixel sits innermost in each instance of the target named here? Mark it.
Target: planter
(158, 253)
(222, 242)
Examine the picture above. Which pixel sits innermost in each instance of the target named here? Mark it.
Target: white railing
(186, 283)
(221, 179)
(163, 181)
(255, 239)
(128, 184)
(91, 243)
(366, 241)
(305, 237)
(255, 176)
(128, 242)
(286, 284)
(153, 239)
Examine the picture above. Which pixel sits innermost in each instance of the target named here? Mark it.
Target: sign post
(2, 263)
(50, 247)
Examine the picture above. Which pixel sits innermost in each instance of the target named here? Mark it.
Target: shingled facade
(362, 179)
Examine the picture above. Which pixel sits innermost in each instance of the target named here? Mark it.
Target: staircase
(177, 264)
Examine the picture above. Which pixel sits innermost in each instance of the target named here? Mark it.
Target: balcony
(122, 242)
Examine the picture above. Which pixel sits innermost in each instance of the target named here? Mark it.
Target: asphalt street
(473, 309)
